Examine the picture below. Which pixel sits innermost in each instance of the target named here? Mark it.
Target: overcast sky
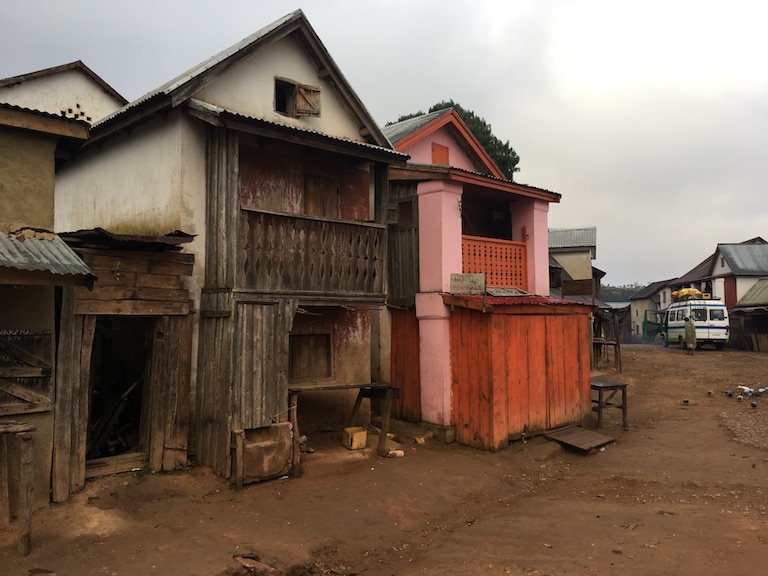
(650, 118)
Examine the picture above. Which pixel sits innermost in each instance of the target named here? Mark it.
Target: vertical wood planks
(515, 371)
(25, 492)
(405, 364)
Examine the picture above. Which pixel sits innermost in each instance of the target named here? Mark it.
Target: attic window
(295, 100)
(440, 154)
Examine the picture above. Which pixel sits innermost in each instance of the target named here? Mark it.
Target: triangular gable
(70, 91)
(408, 133)
(183, 88)
(47, 72)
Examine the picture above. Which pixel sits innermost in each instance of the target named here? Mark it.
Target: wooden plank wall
(405, 365)
(517, 373)
(135, 283)
(214, 377)
(403, 245)
(129, 283)
(169, 393)
(70, 424)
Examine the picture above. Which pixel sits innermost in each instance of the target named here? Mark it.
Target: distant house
(33, 263)
(267, 158)
(646, 306)
(501, 362)
(749, 318)
(574, 249)
(727, 274)
(736, 268)
(72, 91)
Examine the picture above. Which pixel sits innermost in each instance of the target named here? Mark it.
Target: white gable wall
(61, 92)
(249, 88)
(149, 182)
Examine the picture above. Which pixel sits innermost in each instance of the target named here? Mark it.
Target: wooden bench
(21, 433)
(606, 391)
(379, 390)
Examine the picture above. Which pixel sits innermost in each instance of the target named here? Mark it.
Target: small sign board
(467, 283)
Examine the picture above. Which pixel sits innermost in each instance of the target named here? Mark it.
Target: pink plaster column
(434, 358)
(439, 234)
(535, 218)
(439, 257)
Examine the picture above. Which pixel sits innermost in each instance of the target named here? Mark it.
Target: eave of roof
(222, 117)
(449, 118)
(99, 237)
(491, 303)
(43, 122)
(423, 172)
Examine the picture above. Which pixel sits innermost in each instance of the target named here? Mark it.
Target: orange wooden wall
(405, 364)
(518, 369)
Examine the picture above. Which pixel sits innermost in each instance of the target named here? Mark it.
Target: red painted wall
(274, 181)
(405, 364)
(517, 370)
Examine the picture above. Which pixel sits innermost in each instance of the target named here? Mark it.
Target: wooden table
(606, 391)
(21, 433)
(379, 390)
(599, 344)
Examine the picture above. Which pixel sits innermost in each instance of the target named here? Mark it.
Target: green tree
(501, 152)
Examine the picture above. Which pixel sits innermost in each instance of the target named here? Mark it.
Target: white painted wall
(62, 92)
(149, 182)
(249, 88)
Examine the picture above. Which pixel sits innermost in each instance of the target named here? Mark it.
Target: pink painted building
(452, 210)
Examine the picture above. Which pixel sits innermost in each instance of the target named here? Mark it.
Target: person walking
(690, 336)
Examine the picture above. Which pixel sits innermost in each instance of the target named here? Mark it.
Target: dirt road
(683, 492)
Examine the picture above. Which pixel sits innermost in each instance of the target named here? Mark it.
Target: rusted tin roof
(41, 251)
(98, 237)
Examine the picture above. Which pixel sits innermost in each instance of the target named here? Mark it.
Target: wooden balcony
(284, 253)
(504, 263)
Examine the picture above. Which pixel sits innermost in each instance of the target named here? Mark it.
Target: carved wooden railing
(296, 253)
(504, 263)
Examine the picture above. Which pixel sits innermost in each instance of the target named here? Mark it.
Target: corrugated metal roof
(746, 259)
(167, 88)
(215, 111)
(573, 237)
(755, 296)
(399, 130)
(32, 250)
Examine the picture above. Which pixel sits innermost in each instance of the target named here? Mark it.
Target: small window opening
(294, 99)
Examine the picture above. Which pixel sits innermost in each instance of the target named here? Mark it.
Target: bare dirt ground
(683, 491)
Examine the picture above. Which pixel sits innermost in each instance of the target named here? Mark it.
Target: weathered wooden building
(266, 155)
(491, 367)
(33, 263)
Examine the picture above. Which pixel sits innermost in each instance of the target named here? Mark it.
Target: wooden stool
(21, 433)
(603, 401)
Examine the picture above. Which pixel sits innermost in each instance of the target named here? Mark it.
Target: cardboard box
(355, 437)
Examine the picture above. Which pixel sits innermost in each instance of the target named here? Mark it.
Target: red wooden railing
(504, 263)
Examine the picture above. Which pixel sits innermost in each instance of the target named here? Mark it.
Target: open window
(295, 99)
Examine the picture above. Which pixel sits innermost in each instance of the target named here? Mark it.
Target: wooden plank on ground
(578, 437)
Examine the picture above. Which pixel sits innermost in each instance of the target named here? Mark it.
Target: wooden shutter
(307, 100)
